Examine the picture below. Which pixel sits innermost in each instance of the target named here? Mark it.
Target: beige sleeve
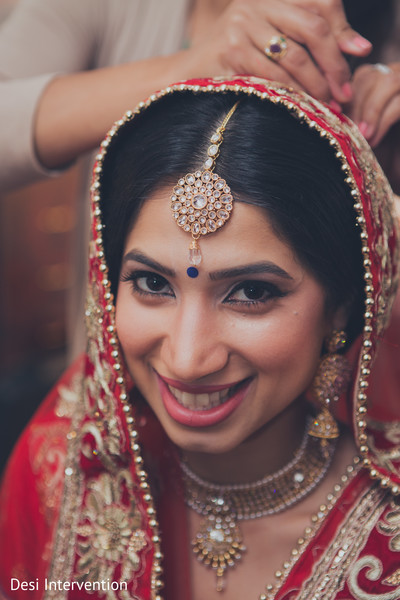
(40, 39)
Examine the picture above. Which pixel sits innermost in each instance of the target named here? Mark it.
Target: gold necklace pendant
(218, 543)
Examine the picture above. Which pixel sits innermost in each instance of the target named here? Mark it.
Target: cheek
(133, 329)
(288, 344)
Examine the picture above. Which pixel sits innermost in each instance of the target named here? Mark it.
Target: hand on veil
(316, 33)
(376, 103)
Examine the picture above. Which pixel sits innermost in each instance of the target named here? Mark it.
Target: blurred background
(36, 231)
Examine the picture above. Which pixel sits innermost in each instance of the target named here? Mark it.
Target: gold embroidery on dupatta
(373, 573)
(48, 453)
(105, 425)
(390, 430)
(390, 526)
(48, 462)
(331, 570)
(64, 536)
(385, 457)
(66, 403)
(110, 531)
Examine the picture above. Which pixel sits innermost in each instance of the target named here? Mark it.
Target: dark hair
(268, 157)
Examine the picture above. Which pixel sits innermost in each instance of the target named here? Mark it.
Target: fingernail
(361, 42)
(335, 105)
(347, 91)
(365, 129)
(363, 126)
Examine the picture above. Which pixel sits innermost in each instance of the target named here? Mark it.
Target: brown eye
(254, 292)
(154, 283)
(148, 283)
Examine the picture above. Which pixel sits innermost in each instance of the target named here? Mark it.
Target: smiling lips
(201, 406)
(201, 401)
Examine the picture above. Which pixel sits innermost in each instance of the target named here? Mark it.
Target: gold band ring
(276, 47)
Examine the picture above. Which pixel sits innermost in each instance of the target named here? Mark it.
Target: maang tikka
(202, 202)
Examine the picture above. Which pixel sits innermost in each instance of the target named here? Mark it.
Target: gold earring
(331, 380)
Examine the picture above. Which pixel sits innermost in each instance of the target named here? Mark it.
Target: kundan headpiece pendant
(202, 202)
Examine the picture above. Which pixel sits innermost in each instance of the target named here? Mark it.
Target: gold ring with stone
(276, 47)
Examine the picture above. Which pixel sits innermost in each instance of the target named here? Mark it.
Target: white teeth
(203, 400)
(214, 399)
(187, 399)
(200, 401)
(177, 393)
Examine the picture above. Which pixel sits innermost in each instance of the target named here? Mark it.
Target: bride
(243, 265)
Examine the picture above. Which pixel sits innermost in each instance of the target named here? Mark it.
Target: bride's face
(219, 356)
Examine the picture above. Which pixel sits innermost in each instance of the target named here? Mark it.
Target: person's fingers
(313, 32)
(380, 99)
(241, 50)
(373, 97)
(237, 54)
(363, 84)
(295, 61)
(246, 58)
(348, 40)
(389, 117)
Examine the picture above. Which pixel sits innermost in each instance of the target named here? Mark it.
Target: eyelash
(265, 287)
(134, 276)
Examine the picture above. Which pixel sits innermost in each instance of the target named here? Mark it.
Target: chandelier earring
(330, 381)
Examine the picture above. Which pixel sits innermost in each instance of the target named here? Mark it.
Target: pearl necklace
(218, 544)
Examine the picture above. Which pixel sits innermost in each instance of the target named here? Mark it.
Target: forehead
(248, 236)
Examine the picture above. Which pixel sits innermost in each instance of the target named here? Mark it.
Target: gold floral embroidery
(335, 564)
(393, 579)
(109, 530)
(68, 397)
(385, 458)
(109, 434)
(390, 525)
(63, 550)
(373, 573)
(48, 452)
(390, 430)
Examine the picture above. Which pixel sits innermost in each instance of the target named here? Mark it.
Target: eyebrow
(243, 270)
(149, 262)
(252, 269)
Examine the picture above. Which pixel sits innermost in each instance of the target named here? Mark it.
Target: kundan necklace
(218, 544)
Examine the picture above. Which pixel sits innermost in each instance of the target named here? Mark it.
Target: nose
(195, 345)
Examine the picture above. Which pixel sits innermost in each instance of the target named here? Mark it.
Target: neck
(263, 453)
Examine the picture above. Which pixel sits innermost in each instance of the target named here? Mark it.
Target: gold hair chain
(202, 202)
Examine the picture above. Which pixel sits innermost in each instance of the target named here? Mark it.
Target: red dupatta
(104, 523)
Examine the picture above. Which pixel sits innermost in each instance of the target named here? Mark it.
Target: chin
(205, 442)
